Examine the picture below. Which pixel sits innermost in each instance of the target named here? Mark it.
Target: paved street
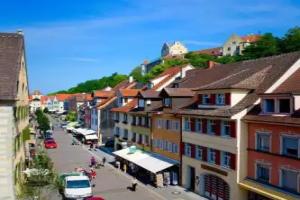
(110, 183)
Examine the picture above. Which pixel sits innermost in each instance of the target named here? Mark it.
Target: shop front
(148, 167)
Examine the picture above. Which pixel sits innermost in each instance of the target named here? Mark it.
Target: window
(117, 116)
(140, 138)
(175, 125)
(187, 125)
(225, 159)
(205, 99)
(133, 139)
(211, 156)
(168, 124)
(284, 106)
(262, 173)
(167, 102)
(198, 125)
(159, 123)
(120, 100)
(199, 152)
(211, 126)
(269, 105)
(263, 141)
(290, 146)
(174, 148)
(170, 146)
(117, 131)
(125, 136)
(125, 117)
(187, 150)
(289, 180)
(146, 139)
(220, 99)
(141, 103)
(125, 100)
(226, 128)
(165, 145)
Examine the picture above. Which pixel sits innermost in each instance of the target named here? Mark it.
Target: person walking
(93, 161)
(103, 161)
(91, 146)
(134, 184)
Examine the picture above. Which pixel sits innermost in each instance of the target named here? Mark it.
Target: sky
(71, 41)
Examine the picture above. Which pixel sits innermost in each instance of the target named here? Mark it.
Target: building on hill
(274, 143)
(14, 113)
(174, 49)
(235, 44)
(146, 66)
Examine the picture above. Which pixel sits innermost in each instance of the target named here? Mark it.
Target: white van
(77, 187)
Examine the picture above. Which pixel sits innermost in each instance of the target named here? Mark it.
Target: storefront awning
(267, 191)
(149, 161)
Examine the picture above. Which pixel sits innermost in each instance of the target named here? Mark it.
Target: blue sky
(71, 41)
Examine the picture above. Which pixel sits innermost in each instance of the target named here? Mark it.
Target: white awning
(91, 137)
(84, 131)
(149, 161)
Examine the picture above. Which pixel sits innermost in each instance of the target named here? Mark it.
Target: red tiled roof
(251, 38)
(62, 97)
(170, 73)
(103, 93)
(128, 107)
(44, 99)
(212, 51)
(129, 92)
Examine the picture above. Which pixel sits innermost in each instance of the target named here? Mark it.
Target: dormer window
(220, 99)
(205, 99)
(148, 102)
(167, 102)
(150, 85)
(284, 106)
(120, 100)
(141, 103)
(269, 105)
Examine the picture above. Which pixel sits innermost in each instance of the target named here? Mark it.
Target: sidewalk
(170, 192)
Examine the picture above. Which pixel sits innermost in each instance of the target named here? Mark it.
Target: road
(109, 183)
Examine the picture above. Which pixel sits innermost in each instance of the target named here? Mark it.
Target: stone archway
(214, 187)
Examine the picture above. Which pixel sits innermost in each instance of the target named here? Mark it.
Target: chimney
(130, 79)
(212, 64)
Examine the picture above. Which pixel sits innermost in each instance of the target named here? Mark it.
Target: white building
(174, 49)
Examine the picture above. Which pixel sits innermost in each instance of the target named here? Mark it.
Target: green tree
(136, 73)
(71, 116)
(267, 45)
(291, 40)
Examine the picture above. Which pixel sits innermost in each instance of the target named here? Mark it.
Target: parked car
(110, 143)
(77, 187)
(50, 144)
(95, 198)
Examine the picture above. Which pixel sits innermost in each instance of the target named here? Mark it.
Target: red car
(95, 198)
(50, 144)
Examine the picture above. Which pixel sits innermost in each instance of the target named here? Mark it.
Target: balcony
(116, 120)
(125, 122)
(117, 135)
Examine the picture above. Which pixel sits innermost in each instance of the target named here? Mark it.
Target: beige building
(174, 49)
(236, 44)
(14, 109)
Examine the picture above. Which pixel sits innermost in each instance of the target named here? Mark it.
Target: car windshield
(78, 184)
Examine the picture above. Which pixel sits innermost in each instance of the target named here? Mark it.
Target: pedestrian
(91, 146)
(93, 173)
(134, 184)
(93, 161)
(103, 161)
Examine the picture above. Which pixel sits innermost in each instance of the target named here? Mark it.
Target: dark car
(110, 143)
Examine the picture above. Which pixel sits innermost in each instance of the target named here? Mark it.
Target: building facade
(174, 49)
(14, 110)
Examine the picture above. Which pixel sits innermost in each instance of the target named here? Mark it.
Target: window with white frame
(125, 134)
(187, 124)
(205, 99)
(198, 125)
(159, 123)
(262, 172)
(125, 117)
(187, 150)
(165, 145)
(269, 105)
(263, 141)
(146, 138)
(290, 146)
(133, 139)
(161, 144)
(175, 125)
(211, 156)
(226, 128)
(117, 131)
(225, 159)
(290, 180)
(199, 153)
(220, 99)
(211, 127)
